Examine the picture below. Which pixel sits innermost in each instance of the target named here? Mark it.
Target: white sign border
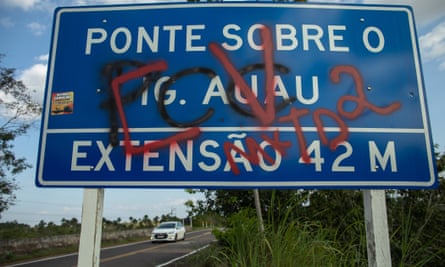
(306, 184)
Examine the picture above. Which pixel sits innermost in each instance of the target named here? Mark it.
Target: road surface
(137, 254)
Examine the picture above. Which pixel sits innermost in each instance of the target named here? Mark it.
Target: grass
(296, 245)
(331, 239)
(287, 240)
(289, 243)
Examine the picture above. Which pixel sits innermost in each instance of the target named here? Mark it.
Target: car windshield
(167, 225)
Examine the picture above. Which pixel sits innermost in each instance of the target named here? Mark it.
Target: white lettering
(191, 37)
(253, 86)
(211, 155)
(287, 37)
(75, 155)
(238, 40)
(375, 155)
(151, 42)
(128, 156)
(186, 161)
(105, 156)
(239, 158)
(146, 161)
(170, 94)
(333, 38)
(127, 42)
(290, 36)
(215, 89)
(276, 163)
(280, 89)
(317, 34)
(102, 35)
(381, 41)
(250, 38)
(172, 35)
(299, 89)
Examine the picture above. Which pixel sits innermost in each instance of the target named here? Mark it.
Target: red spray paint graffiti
(266, 115)
(152, 146)
(360, 100)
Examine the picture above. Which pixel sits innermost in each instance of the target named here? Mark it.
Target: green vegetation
(18, 112)
(330, 232)
(285, 244)
(321, 228)
(15, 230)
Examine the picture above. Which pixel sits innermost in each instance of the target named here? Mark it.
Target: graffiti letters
(265, 112)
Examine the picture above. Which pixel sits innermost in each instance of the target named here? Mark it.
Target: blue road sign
(235, 95)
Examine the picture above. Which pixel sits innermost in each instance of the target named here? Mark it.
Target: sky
(25, 27)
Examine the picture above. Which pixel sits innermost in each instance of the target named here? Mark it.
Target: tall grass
(286, 241)
(324, 235)
(285, 244)
(410, 247)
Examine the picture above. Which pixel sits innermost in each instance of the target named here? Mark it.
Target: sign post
(377, 233)
(91, 229)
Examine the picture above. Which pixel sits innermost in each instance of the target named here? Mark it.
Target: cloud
(432, 45)
(425, 11)
(111, 2)
(43, 57)
(36, 28)
(71, 210)
(428, 10)
(34, 79)
(23, 4)
(6, 22)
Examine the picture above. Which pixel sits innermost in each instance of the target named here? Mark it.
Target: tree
(17, 113)
(146, 222)
(440, 159)
(228, 202)
(156, 220)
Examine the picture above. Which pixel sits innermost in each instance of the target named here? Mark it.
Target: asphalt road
(144, 253)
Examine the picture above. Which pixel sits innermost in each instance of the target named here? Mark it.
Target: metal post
(377, 234)
(91, 229)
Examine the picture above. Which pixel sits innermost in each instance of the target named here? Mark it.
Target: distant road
(143, 254)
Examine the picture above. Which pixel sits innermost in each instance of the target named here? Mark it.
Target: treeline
(16, 230)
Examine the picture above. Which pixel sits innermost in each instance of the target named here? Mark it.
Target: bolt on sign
(235, 95)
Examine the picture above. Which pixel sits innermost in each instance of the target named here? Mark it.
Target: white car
(168, 231)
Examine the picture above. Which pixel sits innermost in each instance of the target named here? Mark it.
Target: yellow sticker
(62, 103)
